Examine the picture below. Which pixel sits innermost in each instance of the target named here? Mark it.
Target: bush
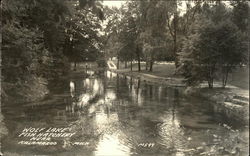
(102, 63)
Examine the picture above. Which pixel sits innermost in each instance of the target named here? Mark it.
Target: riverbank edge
(35, 90)
(220, 99)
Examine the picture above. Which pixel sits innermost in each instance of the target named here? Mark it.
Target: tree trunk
(211, 69)
(210, 83)
(75, 66)
(225, 77)
(118, 63)
(173, 32)
(126, 64)
(151, 65)
(146, 65)
(175, 41)
(139, 64)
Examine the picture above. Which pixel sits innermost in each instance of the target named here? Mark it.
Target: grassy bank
(238, 78)
(233, 101)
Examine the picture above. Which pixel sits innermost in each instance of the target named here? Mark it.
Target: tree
(231, 47)
(135, 14)
(216, 45)
(121, 32)
(34, 40)
(241, 18)
(82, 38)
(112, 46)
(189, 61)
(173, 25)
(240, 15)
(153, 33)
(139, 27)
(127, 37)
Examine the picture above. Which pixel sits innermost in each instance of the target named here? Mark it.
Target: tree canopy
(42, 37)
(202, 38)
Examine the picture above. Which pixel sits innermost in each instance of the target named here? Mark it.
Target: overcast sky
(118, 3)
(113, 3)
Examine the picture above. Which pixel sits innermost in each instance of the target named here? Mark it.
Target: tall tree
(214, 45)
(33, 40)
(153, 35)
(82, 35)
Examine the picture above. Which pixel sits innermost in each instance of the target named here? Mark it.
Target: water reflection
(120, 116)
(72, 88)
(110, 74)
(110, 145)
(58, 86)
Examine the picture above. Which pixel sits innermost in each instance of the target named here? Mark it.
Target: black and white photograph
(124, 77)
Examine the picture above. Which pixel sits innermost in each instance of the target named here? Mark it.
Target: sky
(113, 3)
(118, 4)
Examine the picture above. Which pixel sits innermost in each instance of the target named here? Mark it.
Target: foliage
(127, 36)
(112, 16)
(82, 39)
(121, 31)
(35, 38)
(101, 62)
(215, 46)
(153, 34)
(240, 15)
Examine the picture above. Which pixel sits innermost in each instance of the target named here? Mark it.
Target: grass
(162, 70)
(239, 77)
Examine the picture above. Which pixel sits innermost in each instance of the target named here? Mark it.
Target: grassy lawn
(239, 77)
(163, 70)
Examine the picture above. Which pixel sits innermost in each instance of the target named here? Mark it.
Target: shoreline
(168, 81)
(233, 102)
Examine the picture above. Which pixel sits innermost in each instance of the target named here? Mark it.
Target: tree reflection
(58, 85)
(117, 114)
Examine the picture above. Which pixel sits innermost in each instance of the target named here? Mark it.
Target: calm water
(116, 115)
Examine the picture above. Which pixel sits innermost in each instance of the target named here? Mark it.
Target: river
(116, 115)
